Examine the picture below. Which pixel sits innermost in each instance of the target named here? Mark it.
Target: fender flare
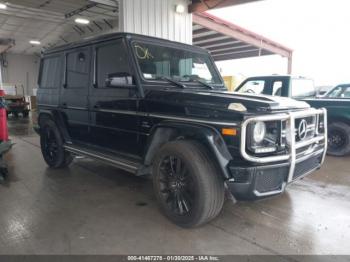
(58, 119)
(169, 131)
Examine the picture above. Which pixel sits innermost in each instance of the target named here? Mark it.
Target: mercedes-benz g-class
(160, 108)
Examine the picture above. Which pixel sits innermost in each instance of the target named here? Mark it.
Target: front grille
(270, 179)
(306, 166)
(310, 128)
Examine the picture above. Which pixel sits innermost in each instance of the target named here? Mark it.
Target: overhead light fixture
(180, 9)
(35, 42)
(82, 21)
(3, 6)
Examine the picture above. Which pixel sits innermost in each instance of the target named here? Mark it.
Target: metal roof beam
(252, 53)
(224, 28)
(216, 43)
(204, 5)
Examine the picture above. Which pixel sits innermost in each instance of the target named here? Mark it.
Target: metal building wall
(156, 18)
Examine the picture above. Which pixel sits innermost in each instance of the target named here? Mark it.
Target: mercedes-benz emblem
(302, 129)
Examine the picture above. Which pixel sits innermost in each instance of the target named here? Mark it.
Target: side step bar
(121, 163)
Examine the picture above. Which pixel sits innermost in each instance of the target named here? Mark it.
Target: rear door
(50, 80)
(114, 110)
(74, 102)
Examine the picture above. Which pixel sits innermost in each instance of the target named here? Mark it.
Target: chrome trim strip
(303, 158)
(75, 108)
(309, 142)
(194, 120)
(169, 117)
(47, 105)
(292, 152)
(117, 163)
(325, 124)
(123, 112)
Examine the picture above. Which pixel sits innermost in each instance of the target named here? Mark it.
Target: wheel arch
(170, 131)
(57, 118)
(340, 119)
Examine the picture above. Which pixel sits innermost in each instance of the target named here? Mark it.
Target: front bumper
(270, 175)
(249, 183)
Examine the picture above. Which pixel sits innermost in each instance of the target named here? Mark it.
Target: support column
(156, 18)
(290, 64)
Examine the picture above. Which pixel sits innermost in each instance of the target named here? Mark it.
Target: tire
(52, 149)
(15, 114)
(338, 139)
(197, 195)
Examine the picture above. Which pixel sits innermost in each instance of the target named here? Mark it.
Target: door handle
(96, 106)
(64, 105)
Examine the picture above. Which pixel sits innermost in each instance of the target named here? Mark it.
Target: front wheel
(52, 146)
(187, 183)
(338, 139)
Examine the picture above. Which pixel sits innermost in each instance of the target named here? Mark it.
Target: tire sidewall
(345, 129)
(196, 171)
(60, 158)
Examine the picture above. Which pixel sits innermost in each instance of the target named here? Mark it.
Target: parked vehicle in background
(336, 101)
(160, 108)
(17, 104)
(340, 91)
(322, 90)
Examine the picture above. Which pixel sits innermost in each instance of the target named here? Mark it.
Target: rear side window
(111, 59)
(51, 72)
(78, 64)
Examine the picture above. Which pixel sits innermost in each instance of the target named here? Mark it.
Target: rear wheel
(187, 183)
(338, 139)
(52, 146)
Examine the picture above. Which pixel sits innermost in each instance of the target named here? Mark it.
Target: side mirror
(120, 80)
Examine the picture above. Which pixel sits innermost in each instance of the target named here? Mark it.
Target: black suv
(160, 108)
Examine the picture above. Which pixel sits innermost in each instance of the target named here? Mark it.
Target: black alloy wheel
(52, 146)
(187, 183)
(338, 139)
(176, 185)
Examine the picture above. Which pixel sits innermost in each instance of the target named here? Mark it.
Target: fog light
(262, 150)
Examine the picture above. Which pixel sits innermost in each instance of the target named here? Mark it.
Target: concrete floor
(92, 208)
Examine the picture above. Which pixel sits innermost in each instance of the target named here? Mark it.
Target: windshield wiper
(170, 80)
(203, 83)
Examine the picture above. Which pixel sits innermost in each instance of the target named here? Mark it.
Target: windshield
(253, 86)
(339, 92)
(302, 88)
(159, 62)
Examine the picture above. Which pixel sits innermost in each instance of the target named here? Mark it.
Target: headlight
(259, 132)
(265, 137)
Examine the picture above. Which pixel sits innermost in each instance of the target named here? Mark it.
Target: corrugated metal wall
(156, 18)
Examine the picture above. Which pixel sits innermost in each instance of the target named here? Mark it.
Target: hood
(220, 100)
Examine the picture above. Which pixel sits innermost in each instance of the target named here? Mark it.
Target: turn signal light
(229, 131)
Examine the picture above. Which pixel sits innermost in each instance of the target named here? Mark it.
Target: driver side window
(253, 87)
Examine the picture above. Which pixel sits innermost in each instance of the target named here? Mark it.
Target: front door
(74, 93)
(113, 108)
